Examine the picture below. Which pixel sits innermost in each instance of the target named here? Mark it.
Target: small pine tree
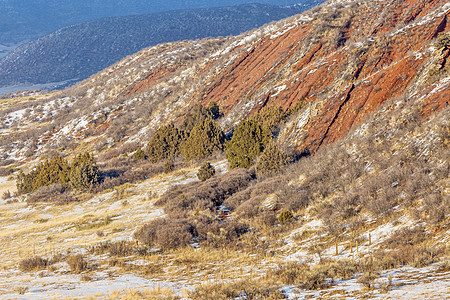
(197, 115)
(49, 172)
(84, 172)
(269, 117)
(139, 154)
(205, 138)
(165, 143)
(247, 142)
(271, 160)
(206, 171)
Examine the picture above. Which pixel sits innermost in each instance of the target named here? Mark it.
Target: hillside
(74, 53)
(307, 158)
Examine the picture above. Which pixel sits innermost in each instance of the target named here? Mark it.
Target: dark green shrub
(164, 144)
(84, 172)
(269, 117)
(205, 138)
(206, 171)
(294, 109)
(214, 110)
(248, 141)
(271, 160)
(197, 115)
(285, 216)
(49, 172)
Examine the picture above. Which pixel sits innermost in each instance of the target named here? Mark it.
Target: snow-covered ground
(401, 283)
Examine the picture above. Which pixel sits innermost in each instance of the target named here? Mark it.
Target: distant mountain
(26, 20)
(76, 52)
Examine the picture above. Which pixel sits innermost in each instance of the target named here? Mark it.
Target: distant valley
(26, 20)
(76, 52)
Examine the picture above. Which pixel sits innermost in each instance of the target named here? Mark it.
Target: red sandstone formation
(343, 60)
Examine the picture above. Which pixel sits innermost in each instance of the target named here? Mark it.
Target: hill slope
(76, 52)
(361, 210)
(341, 64)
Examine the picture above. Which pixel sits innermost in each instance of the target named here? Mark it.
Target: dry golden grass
(45, 230)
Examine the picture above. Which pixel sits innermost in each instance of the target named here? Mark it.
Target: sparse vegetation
(139, 154)
(375, 193)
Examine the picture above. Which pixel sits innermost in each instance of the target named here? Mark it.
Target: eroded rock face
(342, 60)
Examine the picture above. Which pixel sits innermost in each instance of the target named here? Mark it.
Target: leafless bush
(310, 278)
(128, 172)
(6, 195)
(54, 193)
(251, 207)
(222, 234)
(76, 263)
(205, 195)
(406, 236)
(235, 290)
(166, 234)
(32, 264)
(436, 206)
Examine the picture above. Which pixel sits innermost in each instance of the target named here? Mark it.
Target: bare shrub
(6, 195)
(437, 207)
(266, 219)
(21, 290)
(120, 249)
(306, 277)
(406, 236)
(251, 207)
(128, 172)
(224, 235)
(54, 193)
(32, 264)
(166, 234)
(76, 263)
(245, 289)
(6, 162)
(368, 279)
(206, 195)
